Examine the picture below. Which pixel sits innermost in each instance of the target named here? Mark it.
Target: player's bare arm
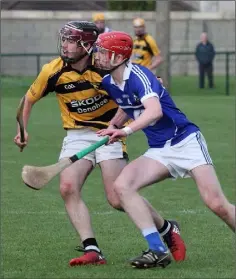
(156, 61)
(26, 114)
(151, 114)
(119, 119)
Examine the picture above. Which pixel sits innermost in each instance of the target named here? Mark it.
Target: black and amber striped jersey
(144, 49)
(81, 100)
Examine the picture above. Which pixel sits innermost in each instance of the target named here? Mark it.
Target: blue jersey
(139, 84)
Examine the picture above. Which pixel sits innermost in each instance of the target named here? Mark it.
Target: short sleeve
(104, 87)
(41, 86)
(153, 45)
(147, 85)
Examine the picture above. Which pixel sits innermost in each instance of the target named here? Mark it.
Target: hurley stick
(19, 118)
(37, 177)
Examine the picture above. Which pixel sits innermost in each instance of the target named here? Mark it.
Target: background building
(217, 6)
(31, 27)
(177, 5)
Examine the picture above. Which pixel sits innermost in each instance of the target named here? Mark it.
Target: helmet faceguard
(80, 33)
(108, 58)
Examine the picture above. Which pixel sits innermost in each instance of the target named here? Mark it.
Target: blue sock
(154, 240)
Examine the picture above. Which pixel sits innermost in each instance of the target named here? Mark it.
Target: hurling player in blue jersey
(176, 146)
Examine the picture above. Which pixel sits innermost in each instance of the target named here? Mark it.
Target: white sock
(148, 231)
(92, 247)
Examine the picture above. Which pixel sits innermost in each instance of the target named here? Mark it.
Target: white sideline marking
(192, 211)
(103, 212)
(184, 211)
(8, 161)
(49, 212)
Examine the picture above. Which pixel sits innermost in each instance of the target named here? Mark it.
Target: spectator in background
(145, 49)
(99, 20)
(205, 54)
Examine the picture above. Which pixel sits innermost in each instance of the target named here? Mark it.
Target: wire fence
(181, 64)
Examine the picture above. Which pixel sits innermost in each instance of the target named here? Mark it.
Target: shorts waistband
(71, 132)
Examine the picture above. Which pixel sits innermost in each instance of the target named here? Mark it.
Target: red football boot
(175, 243)
(89, 257)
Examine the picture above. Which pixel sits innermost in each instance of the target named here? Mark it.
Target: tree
(131, 5)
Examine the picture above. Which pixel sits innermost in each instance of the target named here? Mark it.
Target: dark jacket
(205, 53)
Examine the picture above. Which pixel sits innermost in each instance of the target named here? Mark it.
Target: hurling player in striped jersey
(85, 109)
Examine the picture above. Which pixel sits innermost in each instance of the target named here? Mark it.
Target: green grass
(36, 235)
(185, 86)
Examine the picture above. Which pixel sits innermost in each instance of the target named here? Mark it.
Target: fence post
(227, 73)
(163, 38)
(38, 63)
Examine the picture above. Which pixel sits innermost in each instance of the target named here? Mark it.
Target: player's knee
(68, 189)
(112, 197)
(114, 202)
(218, 205)
(121, 188)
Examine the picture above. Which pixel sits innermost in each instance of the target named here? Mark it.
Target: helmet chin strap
(115, 65)
(88, 51)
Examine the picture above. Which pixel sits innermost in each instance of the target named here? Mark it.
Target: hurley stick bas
(19, 118)
(37, 177)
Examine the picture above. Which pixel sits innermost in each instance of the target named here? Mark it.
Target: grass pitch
(36, 236)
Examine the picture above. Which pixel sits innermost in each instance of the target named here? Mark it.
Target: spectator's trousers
(208, 70)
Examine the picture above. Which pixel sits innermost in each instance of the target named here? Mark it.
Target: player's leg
(170, 232)
(71, 183)
(212, 194)
(201, 75)
(139, 173)
(111, 168)
(192, 157)
(206, 179)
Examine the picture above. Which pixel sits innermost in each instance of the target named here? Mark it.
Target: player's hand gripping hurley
(37, 177)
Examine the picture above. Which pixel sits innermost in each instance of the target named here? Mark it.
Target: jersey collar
(126, 74)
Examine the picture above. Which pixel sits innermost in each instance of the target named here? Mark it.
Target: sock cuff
(92, 247)
(89, 242)
(148, 231)
(166, 229)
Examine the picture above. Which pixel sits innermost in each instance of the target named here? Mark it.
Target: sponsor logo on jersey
(88, 105)
(69, 86)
